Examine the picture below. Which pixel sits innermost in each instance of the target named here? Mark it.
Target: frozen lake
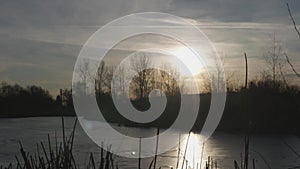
(277, 151)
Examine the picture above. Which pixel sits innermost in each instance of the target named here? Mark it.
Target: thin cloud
(40, 40)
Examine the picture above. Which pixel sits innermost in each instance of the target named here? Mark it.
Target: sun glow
(187, 61)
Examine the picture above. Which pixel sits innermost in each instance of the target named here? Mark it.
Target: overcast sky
(40, 40)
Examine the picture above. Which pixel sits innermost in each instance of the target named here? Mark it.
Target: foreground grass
(59, 156)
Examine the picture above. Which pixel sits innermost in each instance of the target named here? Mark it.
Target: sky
(40, 40)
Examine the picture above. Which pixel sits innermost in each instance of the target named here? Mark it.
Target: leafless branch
(291, 65)
(294, 23)
(282, 75)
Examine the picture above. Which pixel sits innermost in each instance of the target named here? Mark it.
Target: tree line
(18, 101)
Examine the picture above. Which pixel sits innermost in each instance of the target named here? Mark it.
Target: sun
(187, 61)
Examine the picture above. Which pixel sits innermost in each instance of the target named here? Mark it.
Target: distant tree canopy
(142, 83)
(30, 101)
(17, 101)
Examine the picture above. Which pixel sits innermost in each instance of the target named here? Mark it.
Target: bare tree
(233, 82)
(120, 78)
(168, 80)
(274, 60)
(220, 79)
(84, 75)
(107, 78)
(204, 82)
(139, 64)
(99, 77)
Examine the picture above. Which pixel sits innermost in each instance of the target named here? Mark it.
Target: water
(272, 150)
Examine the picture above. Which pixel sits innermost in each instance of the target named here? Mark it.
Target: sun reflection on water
(193, 152)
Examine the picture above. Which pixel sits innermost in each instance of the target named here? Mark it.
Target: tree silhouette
(274, 60)
(139, 64)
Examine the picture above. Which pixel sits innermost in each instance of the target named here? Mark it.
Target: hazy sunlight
(187, 59)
